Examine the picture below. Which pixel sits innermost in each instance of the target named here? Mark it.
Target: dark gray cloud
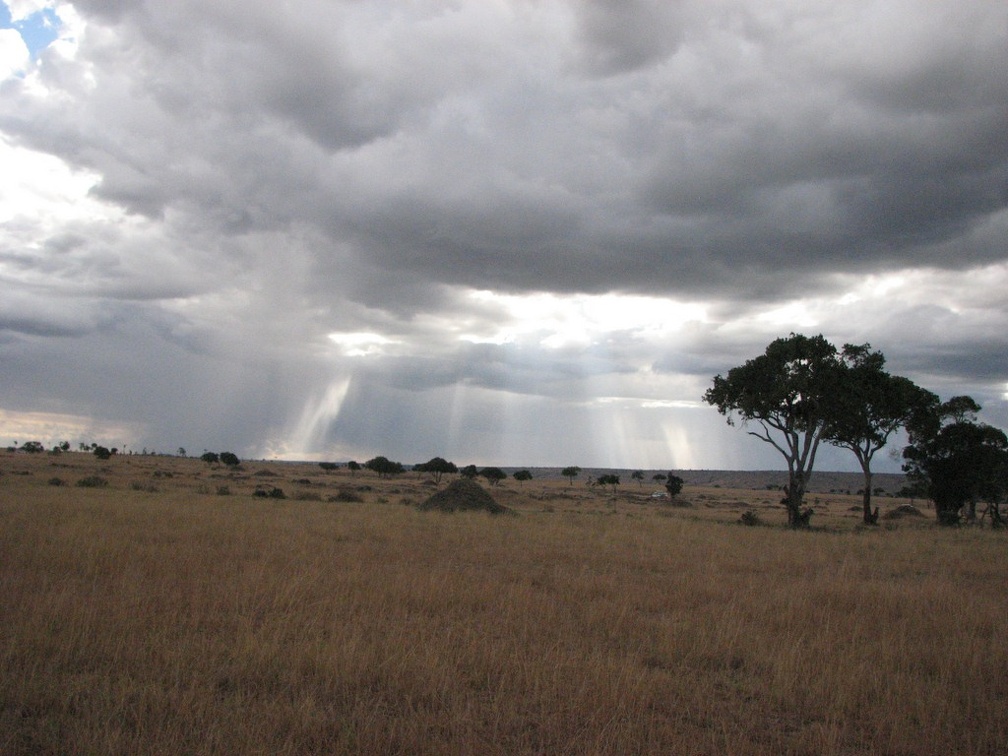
(311, 196)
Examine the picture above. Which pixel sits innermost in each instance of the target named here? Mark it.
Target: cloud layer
(519, 232)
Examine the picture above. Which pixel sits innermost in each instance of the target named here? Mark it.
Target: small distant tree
(494, 475)
(229, 459)
(101, 452)
(64, 446)
(674, 485)
(353, 467)
(469, 472)
(181, 451)
(609, 480)
(658, 477)
(638, 475)
(522, 475)
(33, 447)
(570, 473)
(211, 458)
(437, 467)
(384, 466)
(328, 466)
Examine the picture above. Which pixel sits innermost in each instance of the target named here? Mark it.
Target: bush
(346, 495)
(57, 482)
(750, 518)
(92, 481)
(267, 492)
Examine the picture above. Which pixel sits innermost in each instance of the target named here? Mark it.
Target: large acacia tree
(790, 392)
(872, 405)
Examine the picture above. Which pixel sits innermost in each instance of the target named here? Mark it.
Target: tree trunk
(869, 518)
(794, 495)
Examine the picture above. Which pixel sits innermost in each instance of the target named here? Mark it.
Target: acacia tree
(638, 475)
(437, 467)
(383, 466)
(521, 476)
(494, 475)
(871, 406)
(956, 459)
(609, 480)
(570, 473)
(789, 391)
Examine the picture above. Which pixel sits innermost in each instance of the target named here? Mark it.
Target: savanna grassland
(172, 611)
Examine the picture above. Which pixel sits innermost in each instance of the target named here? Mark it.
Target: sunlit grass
(181, 621)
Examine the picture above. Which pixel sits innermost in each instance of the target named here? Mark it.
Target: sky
(513, 232)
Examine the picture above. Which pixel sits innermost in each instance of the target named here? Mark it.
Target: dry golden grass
(180, 621)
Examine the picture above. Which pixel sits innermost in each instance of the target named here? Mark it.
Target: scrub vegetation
(170, 618)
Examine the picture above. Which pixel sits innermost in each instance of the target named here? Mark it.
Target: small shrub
(57, 482)
(267, 492)
(750, 518)
(348, 496)
(92, 481)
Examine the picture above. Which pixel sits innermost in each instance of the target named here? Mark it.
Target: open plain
(172, 610)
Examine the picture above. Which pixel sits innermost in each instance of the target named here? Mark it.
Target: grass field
(160, 614)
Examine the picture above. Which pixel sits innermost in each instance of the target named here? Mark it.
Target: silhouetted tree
(570, 473)
(872, 405)
(494, 475)
(101, 452)
(469, 472)
(674, 485)
(437, 467)
(956, 459)
(522, 475)
(608, 480)
(230, 459)
(790, 392)
(384, 466)
(638, 475)
(211, 458)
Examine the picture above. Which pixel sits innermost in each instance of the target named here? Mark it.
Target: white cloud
(14, 57)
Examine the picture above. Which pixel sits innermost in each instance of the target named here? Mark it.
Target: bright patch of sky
(37, 24)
